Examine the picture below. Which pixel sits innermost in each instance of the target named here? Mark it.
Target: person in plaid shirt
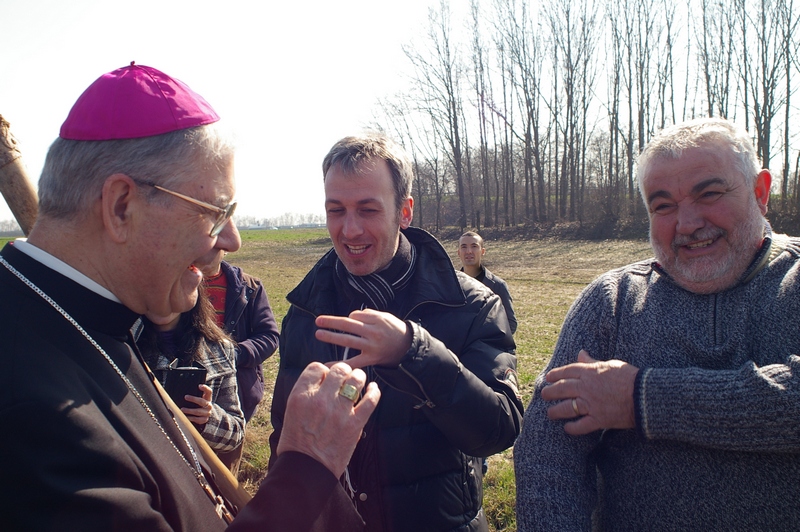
(194, 338)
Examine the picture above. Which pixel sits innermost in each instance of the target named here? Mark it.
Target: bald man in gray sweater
(672, 400)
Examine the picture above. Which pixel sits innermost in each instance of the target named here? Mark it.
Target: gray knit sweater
(717, 400)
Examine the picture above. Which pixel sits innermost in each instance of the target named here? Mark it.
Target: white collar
(63, 268)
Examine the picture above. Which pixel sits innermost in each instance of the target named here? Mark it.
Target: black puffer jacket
(453, 397)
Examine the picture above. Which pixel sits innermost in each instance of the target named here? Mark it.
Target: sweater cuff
(639, 401)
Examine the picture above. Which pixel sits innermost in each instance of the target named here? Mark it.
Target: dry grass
(544, 277)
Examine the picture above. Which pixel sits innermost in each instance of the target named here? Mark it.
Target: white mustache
(709, 233)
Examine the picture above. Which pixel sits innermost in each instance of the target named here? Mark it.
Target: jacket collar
(435, 278)
(232, 274)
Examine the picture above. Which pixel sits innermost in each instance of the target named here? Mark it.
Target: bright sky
(291, 78)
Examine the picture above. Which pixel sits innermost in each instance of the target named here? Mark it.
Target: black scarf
(377, 290)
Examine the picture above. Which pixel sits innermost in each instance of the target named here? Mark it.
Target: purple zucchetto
(133, 102)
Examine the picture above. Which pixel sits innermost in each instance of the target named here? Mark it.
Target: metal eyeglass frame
(223, 214)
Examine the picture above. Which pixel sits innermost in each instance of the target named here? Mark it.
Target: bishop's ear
(116, 203)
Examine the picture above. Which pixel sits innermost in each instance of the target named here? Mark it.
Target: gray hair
(350, 152)
(75, 170)
(724, 134)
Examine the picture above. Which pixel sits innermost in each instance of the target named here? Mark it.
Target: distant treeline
(9, 228)
(285, 220)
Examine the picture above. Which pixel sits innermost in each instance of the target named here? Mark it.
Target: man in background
(386, 298)
(688, 416)
(471, 251)
(135, 197)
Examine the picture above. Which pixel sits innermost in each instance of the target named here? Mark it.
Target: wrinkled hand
(321, 423)
(202, 413)
(603, 393)
(382, 338)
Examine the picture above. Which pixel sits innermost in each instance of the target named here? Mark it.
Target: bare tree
(572, 26)
(615, 51)
(438, 73)
(766, 70)
(666, 79)
(716, 51)
(399, 119)
(789, 23)
(479, 62)
(524, 50)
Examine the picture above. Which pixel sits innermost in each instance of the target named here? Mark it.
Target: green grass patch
(500, 492)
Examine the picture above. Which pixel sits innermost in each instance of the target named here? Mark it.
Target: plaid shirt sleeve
(224, 430)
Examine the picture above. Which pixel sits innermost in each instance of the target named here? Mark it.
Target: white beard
(708, 275)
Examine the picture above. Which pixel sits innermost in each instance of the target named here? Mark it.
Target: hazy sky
(291, 78)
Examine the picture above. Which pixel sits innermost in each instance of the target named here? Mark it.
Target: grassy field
(544, 277)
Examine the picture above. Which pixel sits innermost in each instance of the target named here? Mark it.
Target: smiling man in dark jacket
(437, 342)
